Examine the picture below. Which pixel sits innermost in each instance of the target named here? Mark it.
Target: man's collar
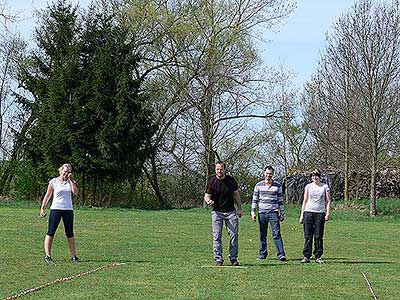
(265, 182)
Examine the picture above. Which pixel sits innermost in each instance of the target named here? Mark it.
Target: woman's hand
(42, 212)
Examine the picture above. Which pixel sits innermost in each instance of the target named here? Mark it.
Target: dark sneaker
(319, 260)
(305, 260)
(75, 259)
(260, 257)
(48, 259)
(234, 262)
(282, 258)
(218, 263)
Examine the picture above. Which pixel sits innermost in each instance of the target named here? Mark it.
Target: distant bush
(183, 191)
(387, 207)
(27, 185)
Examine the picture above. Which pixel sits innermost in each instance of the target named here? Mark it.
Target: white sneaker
(319, 260)
(48, 259)
(305, 260)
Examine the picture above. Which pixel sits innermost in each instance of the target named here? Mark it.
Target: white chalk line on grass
(23, 293)
(230, 267)
(369, 285)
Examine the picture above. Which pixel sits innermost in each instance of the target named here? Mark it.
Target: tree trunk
(206, 122)
(346, 162)
(209, 163)
(373, 212)
(94, 191)
(153, 179)
(286, 168)
(83, 197)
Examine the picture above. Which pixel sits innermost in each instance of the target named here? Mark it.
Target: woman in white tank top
(61, 188)
(314, 212)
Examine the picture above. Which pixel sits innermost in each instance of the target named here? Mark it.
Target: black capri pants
(54, 220)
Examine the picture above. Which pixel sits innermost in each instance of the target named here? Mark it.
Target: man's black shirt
(221, 192)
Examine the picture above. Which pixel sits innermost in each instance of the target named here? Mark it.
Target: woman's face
(64, 173)
(315, 178)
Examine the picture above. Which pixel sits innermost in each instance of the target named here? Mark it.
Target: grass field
(168, 255)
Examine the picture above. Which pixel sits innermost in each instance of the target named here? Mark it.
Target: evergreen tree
(52, 79)
(86, 106)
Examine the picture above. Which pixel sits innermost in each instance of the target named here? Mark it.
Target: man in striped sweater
(268, 197)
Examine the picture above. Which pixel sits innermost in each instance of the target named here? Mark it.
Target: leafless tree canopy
(203, 65)
(354, 97)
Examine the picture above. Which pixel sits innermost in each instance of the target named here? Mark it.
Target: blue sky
(296, 45)
(25, 8)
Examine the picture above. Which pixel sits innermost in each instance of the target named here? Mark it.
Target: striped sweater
(267, 198)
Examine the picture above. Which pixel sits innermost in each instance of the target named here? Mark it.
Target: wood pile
(387, 186)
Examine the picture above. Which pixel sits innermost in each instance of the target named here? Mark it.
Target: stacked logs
(387, 185)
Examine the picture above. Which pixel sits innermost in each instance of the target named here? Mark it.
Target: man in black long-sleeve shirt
(220, 193)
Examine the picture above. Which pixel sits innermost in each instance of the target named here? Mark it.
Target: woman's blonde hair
(68, 166)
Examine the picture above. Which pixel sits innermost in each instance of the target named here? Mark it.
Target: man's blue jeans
(273, 219)
(232, 226)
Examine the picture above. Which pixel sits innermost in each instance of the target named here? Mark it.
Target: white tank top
(62, 198)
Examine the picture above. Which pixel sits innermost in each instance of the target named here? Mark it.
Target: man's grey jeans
(232, 226)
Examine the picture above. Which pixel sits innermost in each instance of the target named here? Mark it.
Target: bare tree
(358, 84)
(286, 146)
(6, 16)
(201, 60)
(13, 121)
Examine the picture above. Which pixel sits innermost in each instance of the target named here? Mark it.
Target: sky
(299, 42)
(296, 45)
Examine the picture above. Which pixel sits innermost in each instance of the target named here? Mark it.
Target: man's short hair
(220, 163)
(271, 168)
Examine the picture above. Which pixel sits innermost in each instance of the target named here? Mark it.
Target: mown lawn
(168, 255)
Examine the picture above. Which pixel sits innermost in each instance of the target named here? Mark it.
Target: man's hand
(239, 212)
(253, 216)
(282, 216)
(327, 217)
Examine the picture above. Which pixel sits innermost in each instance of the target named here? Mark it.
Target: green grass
(168, 255)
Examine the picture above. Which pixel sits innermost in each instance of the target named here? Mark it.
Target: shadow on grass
(355, 261)
(328, 261)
